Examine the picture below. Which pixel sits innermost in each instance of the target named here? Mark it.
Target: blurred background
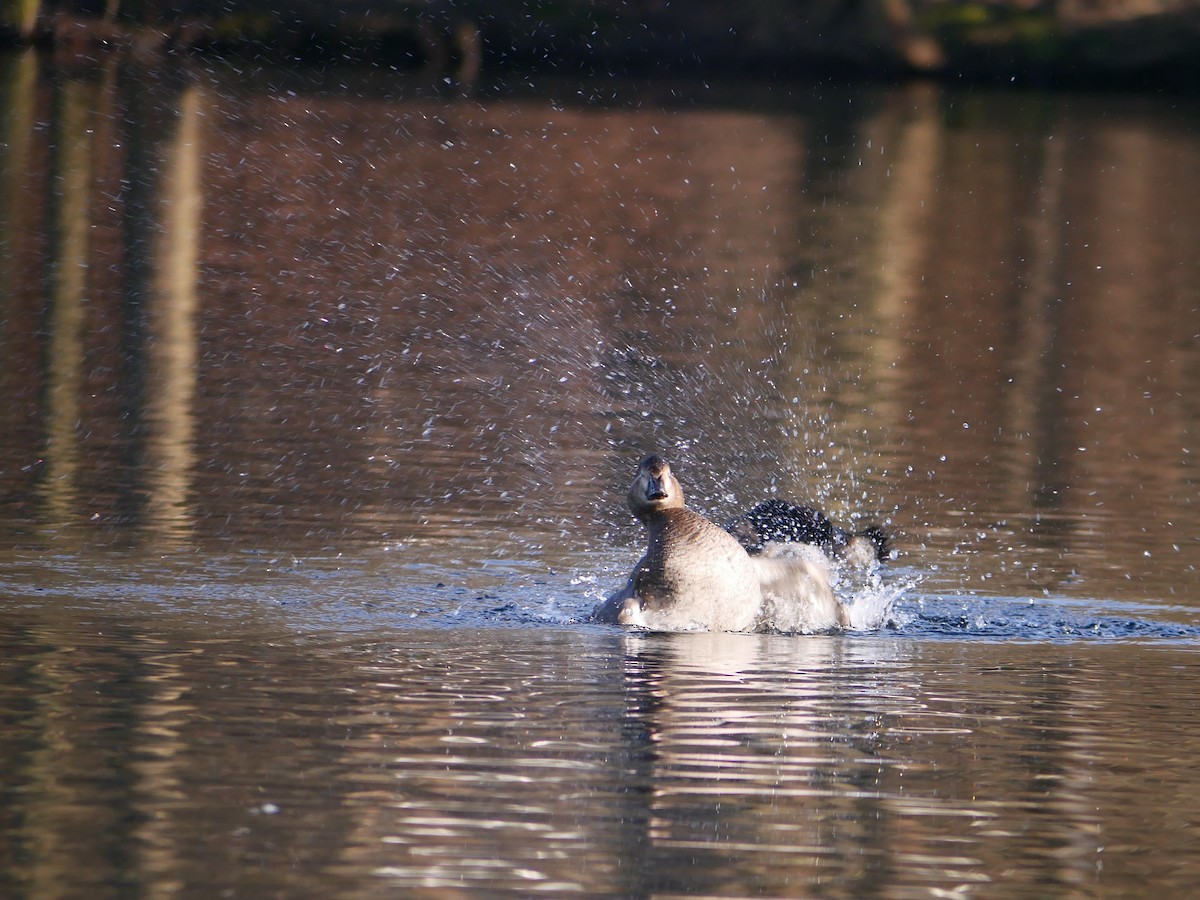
(327, 276)
(331, 335)
(1023, 41)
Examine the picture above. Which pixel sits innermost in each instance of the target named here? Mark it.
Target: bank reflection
(118, 208)
(796, 758)
(394, 318)
(71, 750)
(172, 335)
(1042, 346)
(466, 775)
(564, 761)
(70, 223)
(22, 275)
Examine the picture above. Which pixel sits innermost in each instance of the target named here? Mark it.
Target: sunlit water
(322, 393)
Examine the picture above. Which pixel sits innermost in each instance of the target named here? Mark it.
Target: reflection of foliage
(246, 26)
(565, 13)
(20, 15)
(1022, 32)
(1006, 37)
(997, 38)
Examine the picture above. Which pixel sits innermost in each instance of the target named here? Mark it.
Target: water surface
(322, 394)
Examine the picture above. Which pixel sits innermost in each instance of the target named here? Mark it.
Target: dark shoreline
(957, 43)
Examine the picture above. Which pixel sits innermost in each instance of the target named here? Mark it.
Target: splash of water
(869, 597)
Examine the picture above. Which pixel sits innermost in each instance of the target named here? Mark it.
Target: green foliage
(19, 15)
(998, 32)
(246, 26)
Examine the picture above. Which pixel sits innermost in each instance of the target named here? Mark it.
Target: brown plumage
(695, 575)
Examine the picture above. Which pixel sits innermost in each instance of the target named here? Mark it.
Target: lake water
(322, 391)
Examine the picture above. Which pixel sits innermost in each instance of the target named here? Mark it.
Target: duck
(695, 575)
(775, 522)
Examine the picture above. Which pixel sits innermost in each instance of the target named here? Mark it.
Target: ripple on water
(322, 595)
(590, 760)
(493, 764)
